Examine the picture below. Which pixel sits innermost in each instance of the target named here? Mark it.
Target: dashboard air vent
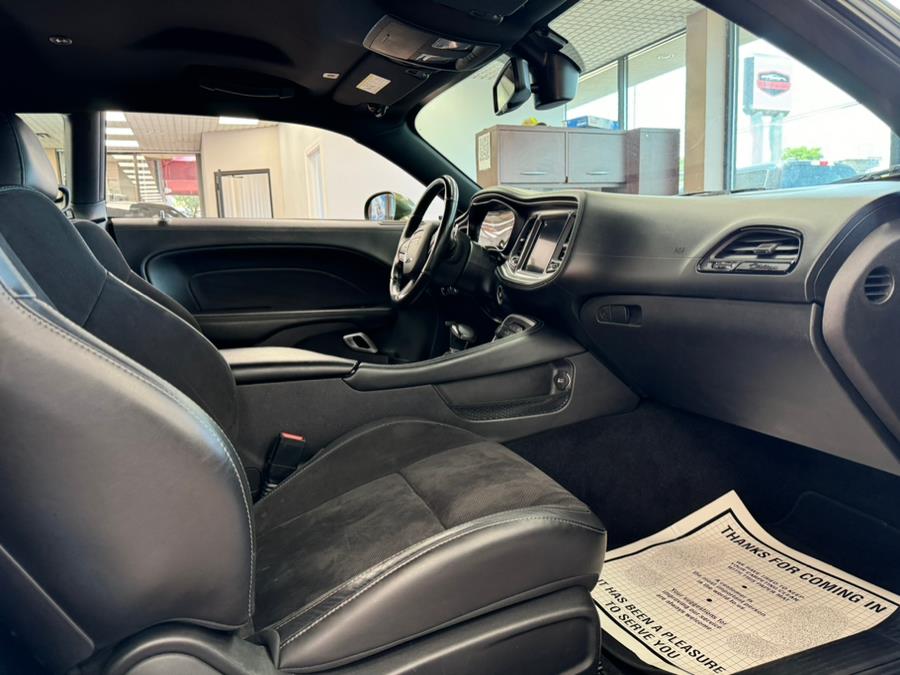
(516, 256)
(563, 246)
(879, 285)
(755, 250)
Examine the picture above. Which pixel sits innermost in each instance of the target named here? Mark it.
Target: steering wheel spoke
(422, 244)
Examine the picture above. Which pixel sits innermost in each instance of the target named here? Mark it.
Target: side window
(231, 167)
(797, 128)
(50, 128)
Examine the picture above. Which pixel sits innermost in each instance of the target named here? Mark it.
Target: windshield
(756, 118)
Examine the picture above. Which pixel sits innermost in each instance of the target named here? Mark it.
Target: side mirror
(387, 206)
(512, 87)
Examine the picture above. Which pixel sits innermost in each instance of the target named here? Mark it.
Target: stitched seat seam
(422, 499)
(28, 312)
(418, 555)
(409, 549)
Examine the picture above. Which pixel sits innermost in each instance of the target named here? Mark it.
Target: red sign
(773, 83)
(181, 176)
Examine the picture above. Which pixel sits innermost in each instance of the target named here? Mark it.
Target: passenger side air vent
(879, 285)
(755, 250)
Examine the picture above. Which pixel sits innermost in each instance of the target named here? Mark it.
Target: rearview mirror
(556, 80)
(388, 206)
(512, 87)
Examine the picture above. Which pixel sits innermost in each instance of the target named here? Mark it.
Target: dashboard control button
(764, 267)
(604, 313)
(613, 314)
(562, 381)
(619, 314)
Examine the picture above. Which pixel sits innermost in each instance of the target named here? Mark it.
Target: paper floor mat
(715, 593)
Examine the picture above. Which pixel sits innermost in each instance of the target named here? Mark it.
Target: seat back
(69, 277)
(124, 504)
(107, 253)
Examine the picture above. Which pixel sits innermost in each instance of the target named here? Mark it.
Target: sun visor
(234, 82)
(490, 10)
(379, 81)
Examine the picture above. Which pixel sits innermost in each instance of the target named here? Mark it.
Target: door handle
(597, 173)
(360, 342)
(533, 173)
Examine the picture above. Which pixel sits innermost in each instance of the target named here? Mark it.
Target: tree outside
(801, 152)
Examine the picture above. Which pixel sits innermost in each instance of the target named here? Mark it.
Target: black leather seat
(130, 542)
(108, 254)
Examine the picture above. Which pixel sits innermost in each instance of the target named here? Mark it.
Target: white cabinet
(595, 156)
(639, 160)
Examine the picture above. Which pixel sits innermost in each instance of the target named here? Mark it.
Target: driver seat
(130, 543)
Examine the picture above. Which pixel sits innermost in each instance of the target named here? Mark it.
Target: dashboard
(530, 241)
(758, 309)
(497, 228)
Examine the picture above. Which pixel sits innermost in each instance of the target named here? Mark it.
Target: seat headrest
(23, 160)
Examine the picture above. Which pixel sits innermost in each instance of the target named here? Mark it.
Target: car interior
(405, 443)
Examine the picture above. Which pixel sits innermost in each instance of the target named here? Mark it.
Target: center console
(540, 248)
(514, 324)
(280, 364)
(523, 343)
(529, 378)
(529, 238)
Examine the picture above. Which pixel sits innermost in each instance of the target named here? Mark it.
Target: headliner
(144, 56)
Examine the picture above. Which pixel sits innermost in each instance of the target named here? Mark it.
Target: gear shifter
(461, 336)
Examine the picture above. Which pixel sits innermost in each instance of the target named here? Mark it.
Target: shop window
(50, 128)
(315, 183)
(657, 84)
(185, 166)
(598, 97)
(794, 128)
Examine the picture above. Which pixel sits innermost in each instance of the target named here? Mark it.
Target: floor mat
(715, 593)
(643, 470)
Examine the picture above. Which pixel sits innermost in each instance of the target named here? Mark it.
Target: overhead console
(416, 46)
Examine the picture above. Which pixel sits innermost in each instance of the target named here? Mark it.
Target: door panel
(269, 278)
(289, 283)
(143, 238)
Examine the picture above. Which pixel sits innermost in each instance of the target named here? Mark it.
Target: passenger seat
(130, 543)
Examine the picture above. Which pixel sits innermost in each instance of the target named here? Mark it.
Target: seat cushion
(406, 526)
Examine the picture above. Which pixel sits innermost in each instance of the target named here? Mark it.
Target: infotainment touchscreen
(545, 243)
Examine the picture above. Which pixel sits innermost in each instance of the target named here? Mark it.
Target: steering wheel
(423, 245)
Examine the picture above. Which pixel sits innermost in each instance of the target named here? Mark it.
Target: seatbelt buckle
(288, 452)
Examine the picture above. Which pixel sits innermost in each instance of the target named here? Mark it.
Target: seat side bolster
(461, 573)
(137, 548)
